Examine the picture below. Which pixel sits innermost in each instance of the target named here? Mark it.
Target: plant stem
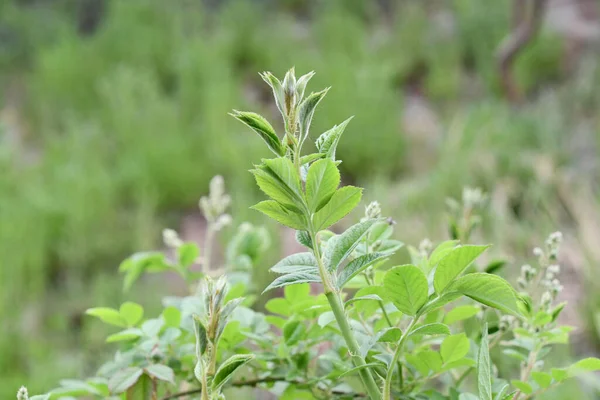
(338, 311)
(387, 387)
(527, 371)
(208, 239)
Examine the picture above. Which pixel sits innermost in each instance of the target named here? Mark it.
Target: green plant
(394, 328)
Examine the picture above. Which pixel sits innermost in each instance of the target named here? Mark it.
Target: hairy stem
(340, 315)
(387, 387)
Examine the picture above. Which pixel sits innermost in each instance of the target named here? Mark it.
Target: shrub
(372, 331)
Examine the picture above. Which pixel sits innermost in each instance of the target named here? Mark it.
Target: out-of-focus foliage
(112, 112)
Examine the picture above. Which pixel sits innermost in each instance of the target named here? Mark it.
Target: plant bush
(418, 331)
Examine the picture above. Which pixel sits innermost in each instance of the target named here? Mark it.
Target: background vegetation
(113, 118)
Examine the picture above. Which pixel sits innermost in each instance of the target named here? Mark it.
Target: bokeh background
(113, 119)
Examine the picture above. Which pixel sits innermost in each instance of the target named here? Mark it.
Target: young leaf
(307, 110)
(435, 328)
(304, 239)
(299, 262)
(226, 370)
(293, 279)
(124, 379)
(273, 210)
(131, 312)
(201, 339)
(454, 348)
(490, 290)
(161, 372)
(484, 375)
(406, 286)
(301, 84)
(454, 263)
(321, 183)
(326, 318)
(328, 141)
(356, 266)
(262, 127)
(392, 334)
(275, 84)
(345, 244)
(108, 315)
(342, 202)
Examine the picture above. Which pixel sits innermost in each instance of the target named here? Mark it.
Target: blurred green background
(113, 118)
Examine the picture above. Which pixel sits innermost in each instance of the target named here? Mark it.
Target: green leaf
(275, 84)
(293, 279)
(131, 312)
(161, 372)
(435, 328)
(356, 266)
(392, 334)
(589, 364)
(441, 251)
(345, 244)
(321, 183)
(559, 374)
(277, 189)
(454, 263)
(484, 374)
(293, 331)
(299, 262)
(286, 172)
(273, 210)
(201, 338)
(301, 84)
(461, 313)
(406, 287)
(141, 390)
(188, 253)
(262, 127)
(542, 378)
(306, 110)
(522, 386)
(342, 202)
(440, 302)
(226, 370)
(454, 347)
(488, 289)
(126, 335)
(124, 379)
(372, 297)
(172, 317)
(304, 239)
(296, 293)
(108, 315)
(328, 141)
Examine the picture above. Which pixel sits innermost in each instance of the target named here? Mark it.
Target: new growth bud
(289, 91)
(373, 210)
(171, 238)
(22, 394)
(216, 203)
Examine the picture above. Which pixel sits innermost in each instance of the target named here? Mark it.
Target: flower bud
(22, 394)
(289, 91)
(171, 238)
(373, 210)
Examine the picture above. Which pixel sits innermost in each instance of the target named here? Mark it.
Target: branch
(254, 383)
(525, 28)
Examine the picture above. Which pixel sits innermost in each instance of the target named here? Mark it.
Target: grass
(116, 129)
